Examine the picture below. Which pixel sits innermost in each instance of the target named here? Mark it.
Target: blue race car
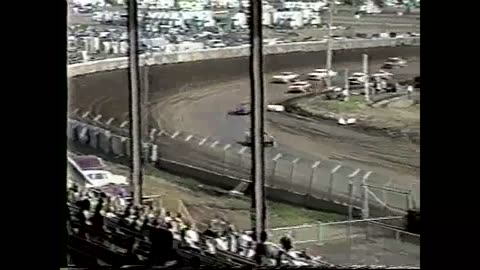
(242, 109)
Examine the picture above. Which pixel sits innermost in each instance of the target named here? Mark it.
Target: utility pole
(329, 46)
(257, 125)
(135, 102)
(366, 82)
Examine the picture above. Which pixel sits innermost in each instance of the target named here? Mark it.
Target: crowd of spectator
(157, 236)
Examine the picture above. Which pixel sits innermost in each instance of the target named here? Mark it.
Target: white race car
(285, 77)
(393, 62)
(300, 87)
(321, 73)
(382, 74)
(357, 77)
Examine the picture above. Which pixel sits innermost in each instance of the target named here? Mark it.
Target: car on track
(241, 109)
(285, 77)
(321, 73)
(382, 74)
(299, 87)
(275, 108)
(394, 62)
(357, 78)
(268, 139)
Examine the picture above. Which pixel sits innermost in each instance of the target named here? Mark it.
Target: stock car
(299, 87)
(394, 62)
(268, 139)
(285, 77)
(382, 74)
(321, 73)
(242, 109)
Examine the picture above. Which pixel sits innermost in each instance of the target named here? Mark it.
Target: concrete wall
(232, 52)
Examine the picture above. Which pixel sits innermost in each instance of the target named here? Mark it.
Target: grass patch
(205, 202)
(354, 104)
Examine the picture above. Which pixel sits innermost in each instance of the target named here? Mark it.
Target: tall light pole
(135, 100)
(329, 45)
(257, 124)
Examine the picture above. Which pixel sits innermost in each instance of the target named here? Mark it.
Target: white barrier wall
(241, 51)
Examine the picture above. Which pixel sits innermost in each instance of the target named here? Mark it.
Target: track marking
(203, 141)
(175, 134)
(188, 138)
(214, 144)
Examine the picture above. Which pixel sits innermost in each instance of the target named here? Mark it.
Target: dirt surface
(195, 97)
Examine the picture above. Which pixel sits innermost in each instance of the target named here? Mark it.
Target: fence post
(312, 177)
(225, 148)
(366, 210)
(292, 172)
(332, 180)
(408, 200)
(384, 192)
(154, 156)
(240, 154)
(320, 234)
(274, 169)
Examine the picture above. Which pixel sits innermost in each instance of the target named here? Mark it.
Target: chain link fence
(369, 241)
(318, 178)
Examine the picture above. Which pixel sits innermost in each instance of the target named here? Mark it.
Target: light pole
(329, 46)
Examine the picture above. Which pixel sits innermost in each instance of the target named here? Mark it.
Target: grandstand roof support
(134, 106)
(257, 120)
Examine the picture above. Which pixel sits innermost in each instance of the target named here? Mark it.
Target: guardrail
(239, 51)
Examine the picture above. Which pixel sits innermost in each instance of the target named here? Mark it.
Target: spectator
(286, 242)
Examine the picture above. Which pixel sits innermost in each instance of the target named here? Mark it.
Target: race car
(268, 139)
(382, 74)
(357, 78)
(285, 77)
(299, 87)
(242, 109)
(321, 73)
(394, 62)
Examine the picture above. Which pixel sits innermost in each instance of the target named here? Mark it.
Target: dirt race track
(195, 97)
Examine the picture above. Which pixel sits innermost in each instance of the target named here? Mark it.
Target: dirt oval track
(195, 97)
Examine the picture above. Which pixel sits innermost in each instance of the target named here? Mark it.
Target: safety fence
(326, 179)
(355, 237)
